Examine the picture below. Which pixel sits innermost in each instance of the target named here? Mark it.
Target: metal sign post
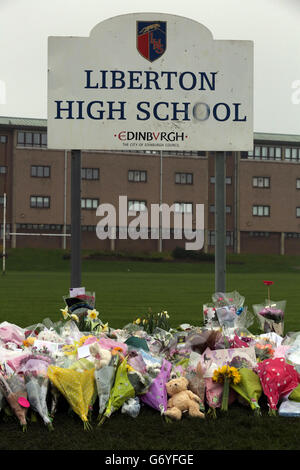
(220, 222)
(4, 235)
(75, 218)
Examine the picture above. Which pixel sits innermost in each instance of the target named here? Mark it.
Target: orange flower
(28, 342)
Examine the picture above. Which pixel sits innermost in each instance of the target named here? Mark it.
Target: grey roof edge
(36, 122)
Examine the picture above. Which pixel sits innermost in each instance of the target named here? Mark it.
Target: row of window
(32, 139)
(137, 176)
(267, 234)
(264, 182)
(267, 152)
(260, 152)
(265, 211)
(43, 202)
(43, 171)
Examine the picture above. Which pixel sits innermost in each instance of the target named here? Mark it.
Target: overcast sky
(273, 25)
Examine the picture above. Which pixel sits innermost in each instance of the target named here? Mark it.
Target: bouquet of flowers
(226, 375)
(230, 310)
(195, 375)
(152, 321)
(278, 378)
(37, 389)
(16, 400)
(10, 333)
(121, 391)
(210, 319)
(264, 350)
(79, 308)
(77, 387)
(104, 377)
(213, 394)
(270, 314)
(156, 396)
(249, 388)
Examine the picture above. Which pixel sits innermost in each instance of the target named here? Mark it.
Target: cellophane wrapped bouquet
(270, 313)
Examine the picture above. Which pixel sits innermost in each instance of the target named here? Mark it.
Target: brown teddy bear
(182, 399)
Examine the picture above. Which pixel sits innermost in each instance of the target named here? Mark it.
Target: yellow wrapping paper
(77, 387)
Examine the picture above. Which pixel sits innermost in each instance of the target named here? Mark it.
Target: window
(32, 139)
(40, 171)
(40, 202)
(3, 170)
(88, 203)
(263, 152)
(292, 154)
(184, 207)
(228, 179)
(212, 238)
(88, 228)
(212, 209)
(259, 234)
(90, 173)
(137, 205)
(297, 211)
(298, 183)
(261, 181)
(292, 235)
(261, 211)
(137, 176)
(184, 178)
(3, 139)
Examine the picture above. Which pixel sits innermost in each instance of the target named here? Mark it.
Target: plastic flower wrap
(214, 394)
(230, 310)
(156, 396)
(77, 387)
(210, 319)
(37, 389)
(195, 375)
(132, 407)
(121, 391)
(230, 299)
(13, 399)
(270, 315)
(277, 378)
(249, 388)
(226, 375)
(10, 333)
(104, 378)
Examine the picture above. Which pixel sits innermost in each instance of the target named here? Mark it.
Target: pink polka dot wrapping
(277, 379)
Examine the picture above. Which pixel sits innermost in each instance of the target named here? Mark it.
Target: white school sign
(150, 81)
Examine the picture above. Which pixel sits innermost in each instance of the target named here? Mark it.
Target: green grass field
(33, 288)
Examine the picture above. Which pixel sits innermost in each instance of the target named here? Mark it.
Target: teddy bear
(102, 356)
(181, 399)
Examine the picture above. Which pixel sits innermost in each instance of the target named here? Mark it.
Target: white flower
(92, 314)
(65, 312)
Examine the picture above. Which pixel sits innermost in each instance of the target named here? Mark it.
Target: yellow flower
(29, 341)
(226, 372)
(137, 321)
(65, 312)
(166, 314)
(74, 317)
(104, 327)
(92, 314)
(83, 339)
